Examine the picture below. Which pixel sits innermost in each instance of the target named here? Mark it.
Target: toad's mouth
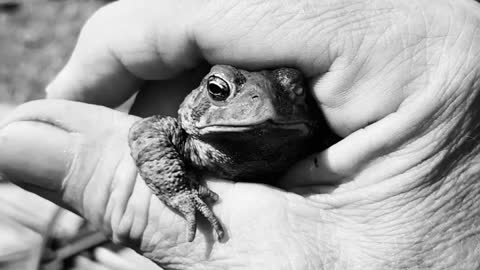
(298, 126)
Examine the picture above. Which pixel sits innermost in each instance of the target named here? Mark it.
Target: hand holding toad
(398, 80)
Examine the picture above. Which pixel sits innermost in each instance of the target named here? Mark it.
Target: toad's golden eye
(218, 88)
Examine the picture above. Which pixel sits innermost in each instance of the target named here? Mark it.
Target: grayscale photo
(239, 134)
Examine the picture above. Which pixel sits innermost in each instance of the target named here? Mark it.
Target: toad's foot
(189, 202)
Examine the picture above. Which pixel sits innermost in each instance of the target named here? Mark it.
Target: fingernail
(35, 153)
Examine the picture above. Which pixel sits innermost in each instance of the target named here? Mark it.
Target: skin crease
(398, 80)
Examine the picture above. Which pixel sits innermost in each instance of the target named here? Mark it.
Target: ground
(36, 39)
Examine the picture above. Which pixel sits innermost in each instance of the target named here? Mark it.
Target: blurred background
(36, 39)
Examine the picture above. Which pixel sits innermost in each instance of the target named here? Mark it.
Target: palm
(263, 225)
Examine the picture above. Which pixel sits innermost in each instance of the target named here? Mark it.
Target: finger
(130, 41)
(53, 148)
(342, 162)
(41, 159)
(120, 46)
(69, 116)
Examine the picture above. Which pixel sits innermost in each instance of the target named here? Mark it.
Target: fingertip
(336, 164)
(313, 170)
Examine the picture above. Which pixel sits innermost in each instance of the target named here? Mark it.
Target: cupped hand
(398, 80)
(78, 156)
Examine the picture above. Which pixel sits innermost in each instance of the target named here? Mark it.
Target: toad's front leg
(154, 144)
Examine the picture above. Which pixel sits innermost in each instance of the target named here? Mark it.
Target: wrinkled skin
(238, 125)
(399, 80)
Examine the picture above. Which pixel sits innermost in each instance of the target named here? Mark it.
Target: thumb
(62, 150)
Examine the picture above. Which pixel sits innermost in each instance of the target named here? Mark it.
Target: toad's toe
(188, 204)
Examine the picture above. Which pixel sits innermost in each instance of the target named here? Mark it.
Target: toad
(238, 125)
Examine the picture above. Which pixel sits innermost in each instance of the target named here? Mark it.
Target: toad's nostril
(254, 97)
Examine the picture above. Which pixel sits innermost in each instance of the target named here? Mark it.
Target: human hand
(398, 80)
(83, 163)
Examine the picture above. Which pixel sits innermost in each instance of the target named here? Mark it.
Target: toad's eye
(218, 88)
